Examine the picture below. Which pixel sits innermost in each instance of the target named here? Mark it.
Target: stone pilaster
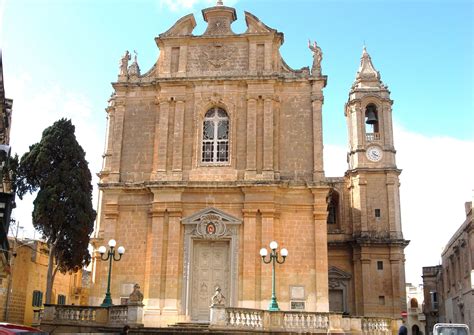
(173, 260)
(163, 136)
(183, 59)
(154, 262)
(178, 136)
(251, 171)
(366, 282)
(268, 56)
(321, 249)
(249, 259)
(318, 163)
(117, 135)
(268, 138)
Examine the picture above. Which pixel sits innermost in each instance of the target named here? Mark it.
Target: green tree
(56, 167)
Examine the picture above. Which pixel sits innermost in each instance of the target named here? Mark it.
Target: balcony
(371, 137)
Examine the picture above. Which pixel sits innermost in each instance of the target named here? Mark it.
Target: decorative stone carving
(136, 297)
(217, 55)
(317, 58)
(211, 227)
(218, 298)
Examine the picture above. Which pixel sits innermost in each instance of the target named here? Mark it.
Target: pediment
(336, 273)
(254, 25)
(211, 211)
(183, 27)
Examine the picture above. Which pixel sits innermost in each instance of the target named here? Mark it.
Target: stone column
(249, 258)
(162, 152)
(178, 137)
(321, 249)
(251, 168)
(268, 138)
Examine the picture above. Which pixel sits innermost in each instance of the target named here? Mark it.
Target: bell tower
(373, 185)
(369, 119)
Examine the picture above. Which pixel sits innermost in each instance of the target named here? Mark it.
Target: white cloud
(33, 111)
(436, 181)
(181, 5)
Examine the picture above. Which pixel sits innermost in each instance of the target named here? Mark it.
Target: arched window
(371, 122)
(413, 303)
(215, 136)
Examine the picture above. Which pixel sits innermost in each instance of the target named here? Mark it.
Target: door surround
(214, 225)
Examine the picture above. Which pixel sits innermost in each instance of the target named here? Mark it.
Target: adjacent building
(449, 287)
(23, 290)
(7, 196)
(415, 318)
(216, 151)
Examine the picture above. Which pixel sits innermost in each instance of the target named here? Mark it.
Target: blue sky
(60, 57)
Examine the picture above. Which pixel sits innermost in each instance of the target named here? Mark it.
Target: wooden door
(211, 266)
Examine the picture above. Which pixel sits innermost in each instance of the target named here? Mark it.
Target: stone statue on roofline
(124, 64)
(317, 58)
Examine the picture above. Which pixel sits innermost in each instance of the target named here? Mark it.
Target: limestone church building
(216, 151)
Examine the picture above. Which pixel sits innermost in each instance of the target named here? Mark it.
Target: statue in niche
(317, 58)
(124, 64)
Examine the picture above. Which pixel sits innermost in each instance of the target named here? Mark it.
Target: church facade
(216, 151)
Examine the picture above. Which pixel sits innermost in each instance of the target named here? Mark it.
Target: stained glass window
(215, 136)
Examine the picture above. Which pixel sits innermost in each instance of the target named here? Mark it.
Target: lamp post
(110, 257)
(273, 258)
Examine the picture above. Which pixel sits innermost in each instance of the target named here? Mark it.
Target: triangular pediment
(197, 217)
(335, 273)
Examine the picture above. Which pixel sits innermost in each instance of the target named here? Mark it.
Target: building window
(333, 207)
(379, 265)
(434, 300)
(381, 300)
(37, 299)
(413, 303)
(61, 299)
(377, 212)
(215, 136)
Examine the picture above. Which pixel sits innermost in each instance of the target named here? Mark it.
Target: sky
(60, 57)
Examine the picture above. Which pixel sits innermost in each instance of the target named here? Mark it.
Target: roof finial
(220, 3)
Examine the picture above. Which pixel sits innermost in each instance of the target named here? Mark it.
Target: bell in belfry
(371, 115)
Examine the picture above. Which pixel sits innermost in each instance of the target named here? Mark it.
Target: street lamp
(109, 257)
(273, 258)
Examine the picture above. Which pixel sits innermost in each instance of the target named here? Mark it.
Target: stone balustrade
(305, 321)
(376, 326)
(298, 321)
(117, 315)
(244, 318)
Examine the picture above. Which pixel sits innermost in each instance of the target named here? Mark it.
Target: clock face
(374, 154)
